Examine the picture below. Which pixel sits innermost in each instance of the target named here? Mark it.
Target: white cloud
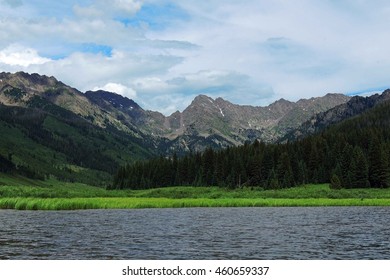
(17, 55)
(248, 52)
(129, 6)
(118, 88)
(108, 8)
(167, 103)
(87, 12)
(151, 85)
(298, 49)
(169, 95)
(85, 70)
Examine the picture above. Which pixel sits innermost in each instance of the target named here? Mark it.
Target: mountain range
(51, 129)
(354, 107)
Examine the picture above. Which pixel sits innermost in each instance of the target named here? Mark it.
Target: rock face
(25, 90)
(355, 106)
(205, 122)
(221, 123)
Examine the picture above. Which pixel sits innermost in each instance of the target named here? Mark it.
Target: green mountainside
(49, 129)
(52, 141)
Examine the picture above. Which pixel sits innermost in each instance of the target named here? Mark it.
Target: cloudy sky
(162, 53)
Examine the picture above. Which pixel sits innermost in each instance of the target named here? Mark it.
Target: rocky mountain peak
(116, 100)
(202, 100)
(281, 106)
(17, 88)
(281, 101)
(28, 82)
(337, 113)
(206, 121)
(37, 79)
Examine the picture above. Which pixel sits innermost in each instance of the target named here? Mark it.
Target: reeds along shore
(138, 203)
(77, 196)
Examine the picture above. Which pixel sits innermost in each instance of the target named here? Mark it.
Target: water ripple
(197, 233)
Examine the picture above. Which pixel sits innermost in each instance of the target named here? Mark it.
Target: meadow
(21, 194)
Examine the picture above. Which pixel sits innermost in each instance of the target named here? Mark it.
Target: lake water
(197, 233)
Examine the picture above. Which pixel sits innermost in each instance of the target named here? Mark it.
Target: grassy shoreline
(21, 203)
(54, 195)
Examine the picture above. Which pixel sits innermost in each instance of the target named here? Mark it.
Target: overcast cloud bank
(163, 53)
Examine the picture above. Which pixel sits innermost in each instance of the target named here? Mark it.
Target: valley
(51, 131)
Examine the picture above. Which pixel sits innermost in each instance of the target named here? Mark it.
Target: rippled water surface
(197, 233)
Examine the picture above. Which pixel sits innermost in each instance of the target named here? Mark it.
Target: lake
(198, 233)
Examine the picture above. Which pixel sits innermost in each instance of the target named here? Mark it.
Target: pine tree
(359, 169)
(345, 163)
(254, 171)
(284, 172)
(379, 166)
(182, 177)
(208, 167)
(314, 162)
(220, 169)
(267, 164)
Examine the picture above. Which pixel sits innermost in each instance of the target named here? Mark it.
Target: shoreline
(28, 203)
(55, 195)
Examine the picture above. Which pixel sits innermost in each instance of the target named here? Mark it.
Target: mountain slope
(23, 90)
(219, 123)
(351, 154)
(57, 142)
(51, 129)
(205, 122)
(354, 107)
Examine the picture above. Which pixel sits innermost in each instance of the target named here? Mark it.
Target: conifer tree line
(353, 154)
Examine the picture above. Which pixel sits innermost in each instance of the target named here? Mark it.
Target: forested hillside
(46, 140)
(352, 154)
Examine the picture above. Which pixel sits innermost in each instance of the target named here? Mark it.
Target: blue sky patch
(157, 17)
(368, 91)
(95, 49)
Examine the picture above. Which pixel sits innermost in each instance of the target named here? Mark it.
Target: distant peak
(37, 78)
(175, 114)
(202, 99)
(221, 100)
(334, 94)
(281, 101)
(115, 99)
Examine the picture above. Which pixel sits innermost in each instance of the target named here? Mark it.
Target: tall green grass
(136, 203)
(55, 195)
(55, 189)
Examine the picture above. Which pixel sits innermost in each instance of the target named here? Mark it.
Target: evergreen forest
(351, 154)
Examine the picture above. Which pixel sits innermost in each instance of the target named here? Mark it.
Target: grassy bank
(54, 195)
(136, 203)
